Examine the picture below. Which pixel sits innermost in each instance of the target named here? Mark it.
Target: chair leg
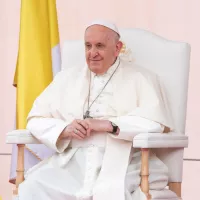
(145, 173)
(20, 167)
(175, 187)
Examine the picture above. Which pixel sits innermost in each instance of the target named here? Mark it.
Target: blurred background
(173, 19)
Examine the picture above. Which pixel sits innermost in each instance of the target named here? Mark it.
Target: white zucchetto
(104, 23)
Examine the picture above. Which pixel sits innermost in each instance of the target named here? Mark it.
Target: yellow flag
(38, 56)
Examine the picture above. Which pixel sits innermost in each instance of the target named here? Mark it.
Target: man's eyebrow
(100, 43)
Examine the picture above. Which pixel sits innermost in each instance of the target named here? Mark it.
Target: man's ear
(119, 47)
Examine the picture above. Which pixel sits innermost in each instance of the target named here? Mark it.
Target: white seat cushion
(163, 195)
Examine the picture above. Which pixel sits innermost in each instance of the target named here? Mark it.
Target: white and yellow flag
(38, 61)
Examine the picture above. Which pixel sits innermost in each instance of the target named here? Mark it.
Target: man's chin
(96, 68)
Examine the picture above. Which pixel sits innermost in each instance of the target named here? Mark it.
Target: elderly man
(89, 116)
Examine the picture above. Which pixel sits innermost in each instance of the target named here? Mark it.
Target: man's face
(101, 48)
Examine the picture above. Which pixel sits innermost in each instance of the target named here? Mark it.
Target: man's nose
(93, 52)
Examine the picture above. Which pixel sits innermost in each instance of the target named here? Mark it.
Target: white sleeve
(150, 115)
(41, 121)
(130, 126)
(47, 131)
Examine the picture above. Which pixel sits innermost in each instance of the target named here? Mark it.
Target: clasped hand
(80, 129)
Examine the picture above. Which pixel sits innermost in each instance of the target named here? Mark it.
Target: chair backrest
(168, 59)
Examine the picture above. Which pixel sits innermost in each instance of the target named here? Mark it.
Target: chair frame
(173, 186)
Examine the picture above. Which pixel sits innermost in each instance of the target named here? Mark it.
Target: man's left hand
(97, 125)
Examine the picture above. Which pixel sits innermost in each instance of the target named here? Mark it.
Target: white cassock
(102, 166)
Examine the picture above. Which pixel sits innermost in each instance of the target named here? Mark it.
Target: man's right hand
(78, 129)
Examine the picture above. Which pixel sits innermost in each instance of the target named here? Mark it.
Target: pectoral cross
(87, 115)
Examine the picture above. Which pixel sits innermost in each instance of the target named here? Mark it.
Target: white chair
(170, 60)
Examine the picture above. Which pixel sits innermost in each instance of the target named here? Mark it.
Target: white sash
(111, 180)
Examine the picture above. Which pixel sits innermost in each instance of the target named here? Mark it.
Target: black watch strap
(115, 127)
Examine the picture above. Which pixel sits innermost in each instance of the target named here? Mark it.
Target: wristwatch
(115, 127)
